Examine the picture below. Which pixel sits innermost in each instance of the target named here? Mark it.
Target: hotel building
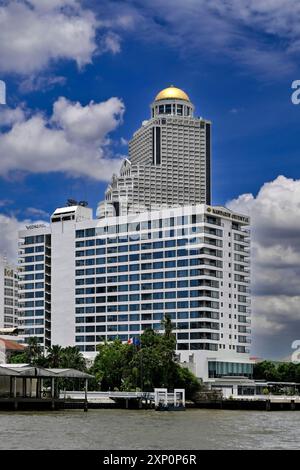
(85, 280)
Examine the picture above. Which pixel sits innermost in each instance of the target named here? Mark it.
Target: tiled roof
(11, 345)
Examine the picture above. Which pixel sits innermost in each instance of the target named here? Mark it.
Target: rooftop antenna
(72, 202)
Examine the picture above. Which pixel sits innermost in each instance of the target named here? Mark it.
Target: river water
(137, 429)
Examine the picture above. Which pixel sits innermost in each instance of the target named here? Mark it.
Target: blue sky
(255, 125)
(235, 59)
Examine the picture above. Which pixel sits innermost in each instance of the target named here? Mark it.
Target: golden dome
(171, 93)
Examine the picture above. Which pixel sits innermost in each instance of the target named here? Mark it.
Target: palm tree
(72, 358)
(54, 356)
(168, 326)
(34, 350)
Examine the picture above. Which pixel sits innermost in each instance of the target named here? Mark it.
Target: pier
(160, 399)
(36, 388)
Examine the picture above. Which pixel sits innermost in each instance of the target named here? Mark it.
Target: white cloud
(33, 211)
(123, 141)
(9, 116)
(275, 220)
(48, 5)
(9, 227)
(87, 124)
(41, 83)
(111, 42)
(73, 140)
(238, 29)
(36, 33)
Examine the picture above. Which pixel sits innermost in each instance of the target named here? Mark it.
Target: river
(137, 429)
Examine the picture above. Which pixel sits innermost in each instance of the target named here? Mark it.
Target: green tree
(34, 350)
(287, 372)
(266, 370)
(111, 365)
(72, 358)
(168, 326)
(19, 358)
(54, 356)
(33, 354)
(150, 365)
(184, 378)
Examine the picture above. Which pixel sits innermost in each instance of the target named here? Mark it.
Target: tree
(186, 379)
(148, 366)
(168, 326)
(34, 350)
(277, 372)
(19, 358)
(72, 358)
(266, 370)
(287, 372)
(110, 365)
(54, 356)
(67, 358)
(33, 354)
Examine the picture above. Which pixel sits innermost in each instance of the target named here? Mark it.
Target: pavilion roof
(26, 370)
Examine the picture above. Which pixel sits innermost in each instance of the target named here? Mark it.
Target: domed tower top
(172, 93)
(172, 101)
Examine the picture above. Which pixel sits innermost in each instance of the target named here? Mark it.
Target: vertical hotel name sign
(2, 92)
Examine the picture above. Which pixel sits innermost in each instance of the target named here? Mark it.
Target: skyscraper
(169, 162)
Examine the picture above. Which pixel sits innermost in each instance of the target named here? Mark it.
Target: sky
(80, 76)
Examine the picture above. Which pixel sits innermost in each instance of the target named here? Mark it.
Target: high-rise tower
(169, 161)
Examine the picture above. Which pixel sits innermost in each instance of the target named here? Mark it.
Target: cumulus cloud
(238, 29)
(10, 116)
(36, 33)
(275, 260)
(74, 140)
(88, 124)
(9, 227)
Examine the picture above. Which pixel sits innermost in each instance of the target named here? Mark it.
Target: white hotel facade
(84, 281)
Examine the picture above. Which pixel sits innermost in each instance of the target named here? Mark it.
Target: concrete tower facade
(169, 162)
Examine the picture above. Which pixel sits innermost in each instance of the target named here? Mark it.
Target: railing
(94, 395)
(97, 396)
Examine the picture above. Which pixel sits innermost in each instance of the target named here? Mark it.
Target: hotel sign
(32, 226)
(228, 215)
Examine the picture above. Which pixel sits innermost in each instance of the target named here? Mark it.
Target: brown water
(126, 429)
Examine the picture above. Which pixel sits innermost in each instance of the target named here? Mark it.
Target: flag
(134, 341)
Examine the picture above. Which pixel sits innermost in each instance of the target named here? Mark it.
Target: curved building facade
(169, 162)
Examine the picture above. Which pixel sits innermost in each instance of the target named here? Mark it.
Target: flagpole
(141, 367)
